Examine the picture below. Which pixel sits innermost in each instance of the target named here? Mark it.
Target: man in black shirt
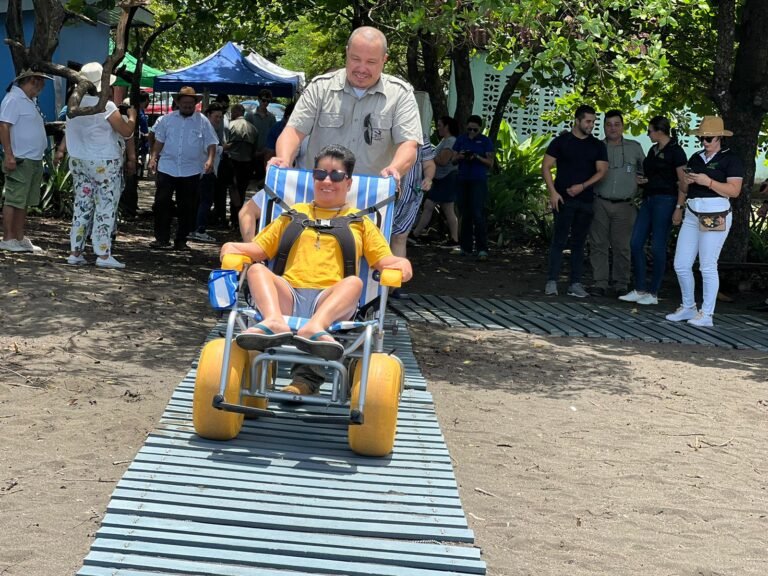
(581, 160)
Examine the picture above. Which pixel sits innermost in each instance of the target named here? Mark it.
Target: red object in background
(160, 103)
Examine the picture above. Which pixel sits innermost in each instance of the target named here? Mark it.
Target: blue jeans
(654, 220)
(472, 197)
(572, 219)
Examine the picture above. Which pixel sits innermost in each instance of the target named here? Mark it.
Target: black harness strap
(338, 227)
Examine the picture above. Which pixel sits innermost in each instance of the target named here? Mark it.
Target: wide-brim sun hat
(188, 91)
(29, 73)
(93, 71)
(712, 126)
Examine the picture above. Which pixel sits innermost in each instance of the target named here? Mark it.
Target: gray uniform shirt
(625, 162)
(372, 126)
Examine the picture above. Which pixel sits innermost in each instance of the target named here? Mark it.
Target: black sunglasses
(336, 175)
(707, 139)
(473, 129)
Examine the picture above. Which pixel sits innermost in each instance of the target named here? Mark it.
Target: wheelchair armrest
(235, 261)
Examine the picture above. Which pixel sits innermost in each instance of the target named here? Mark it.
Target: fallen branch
(87, 480)
(491, 494)
(26, 378)
(710, 445)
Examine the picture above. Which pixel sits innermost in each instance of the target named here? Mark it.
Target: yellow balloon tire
(376, 436)
(209, 422)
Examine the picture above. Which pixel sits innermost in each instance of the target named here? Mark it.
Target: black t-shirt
(660, 167)
(724, 165)
(576, 158)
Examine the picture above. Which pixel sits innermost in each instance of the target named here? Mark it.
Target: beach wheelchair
(365, 383)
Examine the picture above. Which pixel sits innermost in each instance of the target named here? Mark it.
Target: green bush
(518, 210)
(57, 194)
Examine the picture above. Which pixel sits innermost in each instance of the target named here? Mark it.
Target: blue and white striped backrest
(297, 186)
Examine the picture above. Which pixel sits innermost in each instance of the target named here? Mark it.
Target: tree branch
(83, 86)
(14, 26)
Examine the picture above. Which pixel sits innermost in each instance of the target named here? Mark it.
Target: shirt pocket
(381, 121)
(330, 120)
(195, 137)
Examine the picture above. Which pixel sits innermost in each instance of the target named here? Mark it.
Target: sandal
(325, 350)
(262, 340)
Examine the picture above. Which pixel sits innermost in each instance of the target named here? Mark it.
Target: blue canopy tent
(227, 71)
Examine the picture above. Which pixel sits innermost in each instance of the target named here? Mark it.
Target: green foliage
(311, 48)
(57, 194)
(517, 205)
(758, 239)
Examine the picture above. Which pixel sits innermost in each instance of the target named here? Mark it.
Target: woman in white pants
(714, 176)
(95, 150)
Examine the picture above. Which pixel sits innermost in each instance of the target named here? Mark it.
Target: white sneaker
(577, 290)
(633, 296)
(27, 246)
(648, 299)
(682, 313)
(109, 263)
(702, 320)
(73, 260)
(550, 289)
(11, 246)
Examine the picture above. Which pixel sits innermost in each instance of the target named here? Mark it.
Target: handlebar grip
(235, 261)
(392, 277)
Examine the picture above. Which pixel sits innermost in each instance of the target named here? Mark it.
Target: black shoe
(181, 247)
(398, 294)
(449, 244)
(157, 245)
(597, 291)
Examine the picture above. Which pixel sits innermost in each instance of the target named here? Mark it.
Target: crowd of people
(202, 158)
(593, 195)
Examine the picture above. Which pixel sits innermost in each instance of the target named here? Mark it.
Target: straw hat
(187, 91)
(28, 73)
(712, 126)
(93, 71)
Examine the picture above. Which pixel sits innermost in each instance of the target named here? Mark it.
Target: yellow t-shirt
(310, 266)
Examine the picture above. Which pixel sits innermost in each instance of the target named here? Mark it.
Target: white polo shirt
(28, 138)
(185, 143)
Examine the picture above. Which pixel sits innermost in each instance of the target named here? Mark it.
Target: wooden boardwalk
(288, 498)
(570, 317)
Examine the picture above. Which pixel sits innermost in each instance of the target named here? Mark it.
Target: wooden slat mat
(288, 498)
(583, 319)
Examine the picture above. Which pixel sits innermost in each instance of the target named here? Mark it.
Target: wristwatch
(679, 206)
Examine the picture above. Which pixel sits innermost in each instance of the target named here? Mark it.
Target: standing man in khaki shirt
(373, 114)
(615, 211)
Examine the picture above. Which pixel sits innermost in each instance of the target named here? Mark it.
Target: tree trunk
(432, 81)
(415, 76)
(465, 90)
(14, 26)
(745, 125)
(509, 88)
(743, 108)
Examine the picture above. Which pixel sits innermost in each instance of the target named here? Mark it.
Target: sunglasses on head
(473, 129)
(336, 175)
(707, 139)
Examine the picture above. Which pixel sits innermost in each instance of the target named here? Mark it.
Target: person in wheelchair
(315, 282)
